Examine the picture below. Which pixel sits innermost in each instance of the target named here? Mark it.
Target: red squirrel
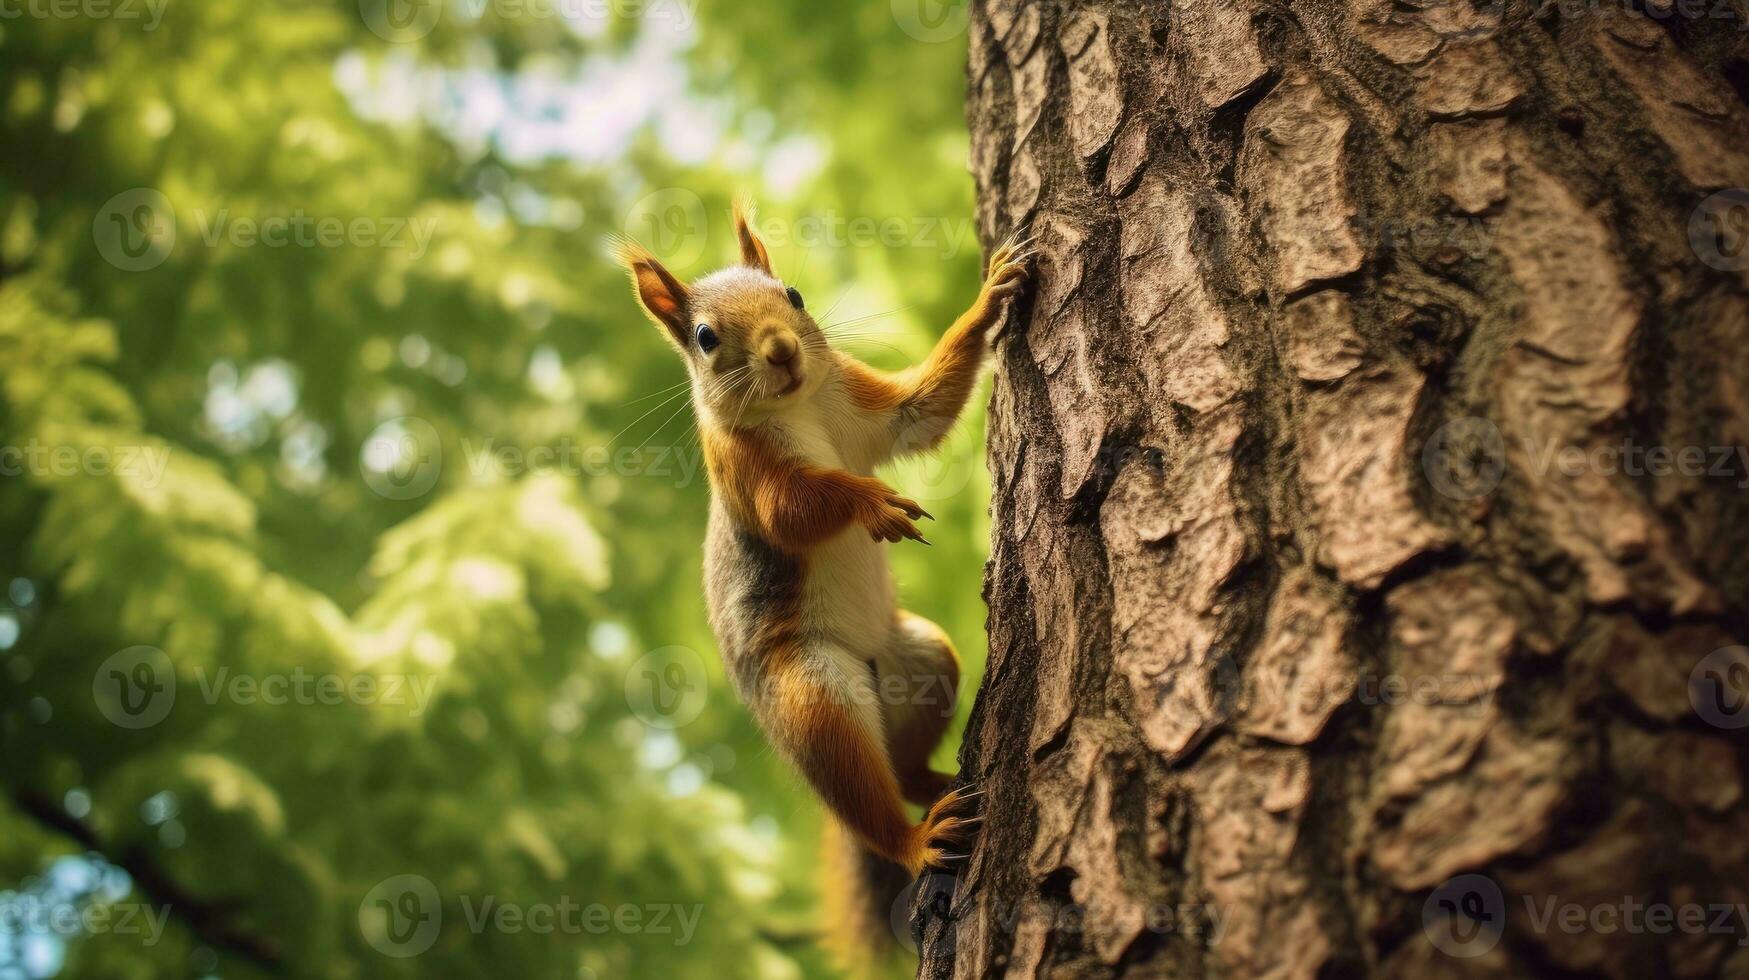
(796, 578)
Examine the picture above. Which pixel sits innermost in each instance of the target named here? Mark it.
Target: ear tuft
(753, 251)
(663, 296)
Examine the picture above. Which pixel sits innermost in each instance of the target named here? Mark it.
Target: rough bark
(1298, 617)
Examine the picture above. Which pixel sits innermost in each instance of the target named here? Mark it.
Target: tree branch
(208, 920)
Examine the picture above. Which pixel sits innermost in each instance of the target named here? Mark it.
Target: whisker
(865, 319)
(855, 338)
(659, 429)
(654, 394)
(726, 380)
(664, 403)
(804, 267)
(828, 314)
(865, 344)
(746, 399)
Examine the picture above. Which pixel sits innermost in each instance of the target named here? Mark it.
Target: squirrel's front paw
(1007, 276)
(1008, 273)
(893, 519)
(947, 832)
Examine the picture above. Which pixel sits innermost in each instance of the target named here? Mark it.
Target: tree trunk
(1371, 533)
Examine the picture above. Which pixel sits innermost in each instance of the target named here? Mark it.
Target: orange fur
(847, 767)
(929, 397)
(753, 251)
(795, 505)
(664, 299)
(916, 727)
(796, 637)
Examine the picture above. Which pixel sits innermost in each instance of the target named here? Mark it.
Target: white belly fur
(848, 593)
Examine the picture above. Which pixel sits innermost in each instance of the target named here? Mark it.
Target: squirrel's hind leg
(819, 710)
(918, 683)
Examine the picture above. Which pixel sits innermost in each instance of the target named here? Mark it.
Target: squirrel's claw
(911, 508)
(942, 828)
(1010, 247)
(894, 525)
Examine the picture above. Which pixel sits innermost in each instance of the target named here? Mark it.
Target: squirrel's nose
(780, 349)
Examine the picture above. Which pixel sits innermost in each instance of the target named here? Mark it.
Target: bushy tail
(861, 890)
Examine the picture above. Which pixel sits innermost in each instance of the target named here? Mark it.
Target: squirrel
(845, 684)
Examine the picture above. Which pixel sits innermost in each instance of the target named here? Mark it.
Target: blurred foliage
(294, 296)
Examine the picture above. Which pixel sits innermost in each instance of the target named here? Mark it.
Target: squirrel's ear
(663, 297)
(753, 251)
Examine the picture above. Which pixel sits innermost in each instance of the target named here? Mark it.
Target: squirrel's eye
(795, 297)
(707, 338)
